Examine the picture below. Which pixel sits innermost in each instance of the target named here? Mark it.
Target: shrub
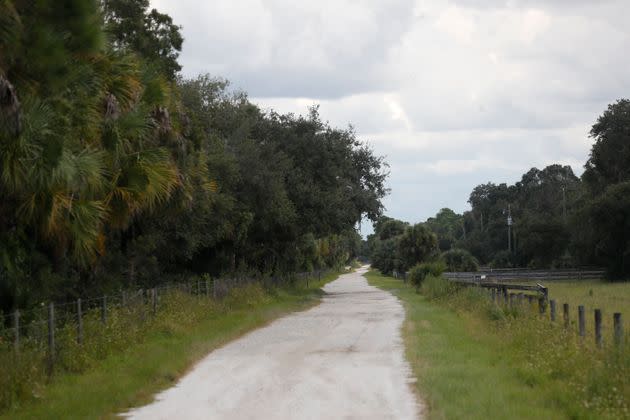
(459, 260)
(502, 259)
(420, 272)
(436, 287)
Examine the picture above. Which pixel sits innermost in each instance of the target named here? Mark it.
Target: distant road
(342, 359)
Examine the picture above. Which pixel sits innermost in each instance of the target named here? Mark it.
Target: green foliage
(114, 171)
(420, 272)
(608, 161)
(416, 244)
(459, 260)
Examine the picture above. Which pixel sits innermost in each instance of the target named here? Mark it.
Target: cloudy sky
(453, 92)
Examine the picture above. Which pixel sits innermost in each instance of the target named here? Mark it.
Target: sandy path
(340, 359)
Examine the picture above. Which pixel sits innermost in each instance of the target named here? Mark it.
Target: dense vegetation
(559, 220)
(116, 172)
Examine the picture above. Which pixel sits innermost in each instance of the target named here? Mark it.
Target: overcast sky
(453, 92)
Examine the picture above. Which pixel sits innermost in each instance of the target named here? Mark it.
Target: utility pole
(509, 223)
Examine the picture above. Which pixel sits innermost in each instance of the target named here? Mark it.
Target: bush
(502, 259)
(420, 272)
(436, 287)
(459, 260)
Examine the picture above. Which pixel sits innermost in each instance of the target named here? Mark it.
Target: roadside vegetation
(116, 172)
(136, 355)
(474, 359)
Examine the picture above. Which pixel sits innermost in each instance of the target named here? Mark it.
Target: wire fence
(53, 328)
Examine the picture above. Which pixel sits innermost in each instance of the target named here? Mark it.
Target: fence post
(541, 305)
(79, 322)
(581, 321)
(552, 308)
(505, 295)
(154, 300)
(618, 328)
(598, 327)
(520, 297)
(565, 314)
(530, 300)
(51, 337)
(104, 310)
(511, 300)
(16, 328)
(494, 294)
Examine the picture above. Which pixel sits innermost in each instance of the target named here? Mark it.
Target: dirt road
(342, 359)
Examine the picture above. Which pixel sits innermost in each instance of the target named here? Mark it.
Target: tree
(416, 245)
(150, 34)
(610, 154)
(459, 260)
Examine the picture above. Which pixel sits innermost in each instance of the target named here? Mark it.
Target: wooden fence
(500, 294)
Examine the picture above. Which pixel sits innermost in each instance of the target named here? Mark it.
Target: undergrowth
(25, 375)
(585, 381)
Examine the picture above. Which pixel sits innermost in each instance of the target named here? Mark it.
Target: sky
(454, 93)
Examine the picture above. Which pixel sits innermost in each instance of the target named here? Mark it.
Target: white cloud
(454, 92)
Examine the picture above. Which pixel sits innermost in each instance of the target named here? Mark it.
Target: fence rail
(500, 295)
(515, 275)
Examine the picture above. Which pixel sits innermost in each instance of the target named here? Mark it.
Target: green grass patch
(475, 360)
(107, 377)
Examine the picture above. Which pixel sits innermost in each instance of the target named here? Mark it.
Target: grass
(474, 360)
(186, 331)
(609, 297)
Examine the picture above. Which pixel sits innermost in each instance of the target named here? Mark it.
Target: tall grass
(585, 381)
(25, 374)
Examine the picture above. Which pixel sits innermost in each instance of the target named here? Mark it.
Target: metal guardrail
(512, 275)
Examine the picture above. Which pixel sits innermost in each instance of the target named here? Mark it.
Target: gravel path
(342, 359)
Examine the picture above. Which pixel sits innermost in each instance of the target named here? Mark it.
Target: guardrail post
(618, 328)
(552, 309)
(598, 327)
(581, 321)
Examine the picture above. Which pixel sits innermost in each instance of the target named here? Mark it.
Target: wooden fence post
(154, 300)
(16, 328)
(552, 308)
(618, 328)
(104, 310)
(511, 300)
(581, 321)
(598, 327)
(493, 291)
(565, 314)
(51, 337)
(541, 305)
(79, 322)
(521, 298)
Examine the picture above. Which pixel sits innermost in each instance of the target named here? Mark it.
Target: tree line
(551, 218)
(115, 171)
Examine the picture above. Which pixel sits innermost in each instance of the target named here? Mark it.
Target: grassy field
(474, 360)
(172, 345)
(609, 297)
